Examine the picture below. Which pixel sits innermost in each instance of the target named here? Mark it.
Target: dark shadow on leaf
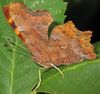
(51, 27)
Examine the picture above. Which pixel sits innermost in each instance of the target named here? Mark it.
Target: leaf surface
(82, 78)
(55, 7)
(18, 72)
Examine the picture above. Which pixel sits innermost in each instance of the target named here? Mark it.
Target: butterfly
(67, 44)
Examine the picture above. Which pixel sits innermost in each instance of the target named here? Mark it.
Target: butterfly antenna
(57, 69)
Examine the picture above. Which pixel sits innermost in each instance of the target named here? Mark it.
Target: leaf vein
(71, 68)
(12, 69)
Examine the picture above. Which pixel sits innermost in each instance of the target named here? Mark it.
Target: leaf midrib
(13, 66)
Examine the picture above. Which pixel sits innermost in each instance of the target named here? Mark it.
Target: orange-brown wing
(67, 44)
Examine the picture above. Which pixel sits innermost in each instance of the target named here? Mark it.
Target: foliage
(19, 74)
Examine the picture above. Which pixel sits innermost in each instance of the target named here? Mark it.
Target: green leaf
(97, 48)
(83, 78)
(18, 72)
(55, 7)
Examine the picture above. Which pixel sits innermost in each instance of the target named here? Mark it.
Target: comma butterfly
(67, 45)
